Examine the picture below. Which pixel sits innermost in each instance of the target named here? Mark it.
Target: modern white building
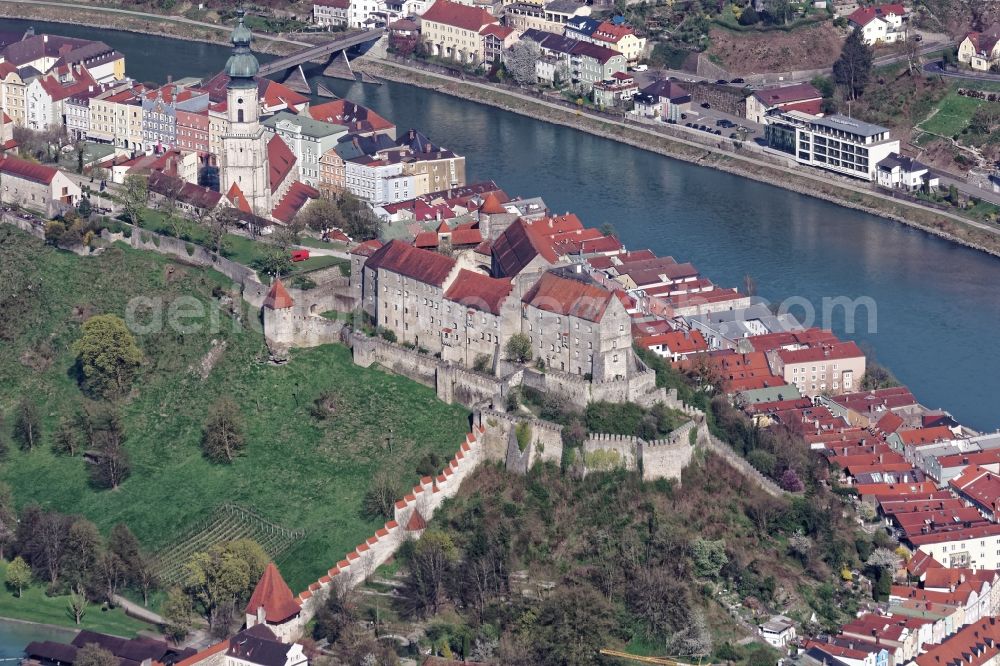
(837, 143)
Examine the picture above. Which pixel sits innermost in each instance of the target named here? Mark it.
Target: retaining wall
(500, 440)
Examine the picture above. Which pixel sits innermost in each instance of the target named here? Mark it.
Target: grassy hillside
(297, 472)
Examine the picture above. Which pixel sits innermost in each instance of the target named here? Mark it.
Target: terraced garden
(299, 473)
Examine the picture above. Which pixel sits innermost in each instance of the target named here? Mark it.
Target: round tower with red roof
(279, 323)
(273, 605)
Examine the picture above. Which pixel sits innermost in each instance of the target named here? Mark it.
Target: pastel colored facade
(981, 50)
(824, 369)
(973, 548)
(12, 93)
(621, 38)
(308, 140)
(329, 13)
(452, 30)
(550, 16)
(880, 24)
(116, 118)
(378, 180)
(36, 186)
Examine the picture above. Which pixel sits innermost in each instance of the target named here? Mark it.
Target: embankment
(812, 183)
(110, 18)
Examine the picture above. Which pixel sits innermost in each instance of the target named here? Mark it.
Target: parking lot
(724, 123)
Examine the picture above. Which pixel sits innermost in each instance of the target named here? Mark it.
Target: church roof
(272, 593)
(278, 297)
(280, 161)
(242, 66)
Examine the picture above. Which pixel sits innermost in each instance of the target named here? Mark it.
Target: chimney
(45, 39)
(170, 79)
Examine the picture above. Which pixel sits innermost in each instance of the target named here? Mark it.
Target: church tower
(244, 148)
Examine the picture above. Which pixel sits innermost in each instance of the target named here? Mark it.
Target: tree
(178, 614)
(853, 68)
(778, 11)
(518, 348)
(572, 626)
(77, 606)
(93, 654)
(84, 208)
(521, 60)
(108, 355)
(81, 148)
(54, 232)
(27, 424)
(67, 439)
(18, 575)
(274, 262)
(321, 214)
(133, 197)
(111, 464)
(360, 222)
(790, 481)
(749, 16)
(222, 437)
(708, 557)
(83, 551)
(219, 222)
(8, 518)
(877, 377)
(221, 578)
(429, 564)
(380, 498)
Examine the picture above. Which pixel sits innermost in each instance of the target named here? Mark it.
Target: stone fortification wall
(603, 452)
(453, 383)
(289, 328)
(500, 442)
(190, 253)
(421, 368)
(366, 557)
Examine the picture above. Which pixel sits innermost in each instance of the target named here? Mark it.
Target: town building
(159, 115)
(139, 650)
(662, 99)
(331, 13)
(584, 63)
(837, 143)
(308, 140)
(452, 30)
(36, 186)
(799, 97)
(981, 50)
(116, 118)
(778, 632)
(357, 119)
(621, 38)
(618, 91)
(880, 24)
(824, 368)
(553, 16)
(905, 173)
(44, 53)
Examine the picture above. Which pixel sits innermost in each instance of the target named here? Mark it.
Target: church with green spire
(243, 169)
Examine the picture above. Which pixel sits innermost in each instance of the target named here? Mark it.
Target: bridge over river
(326, 53)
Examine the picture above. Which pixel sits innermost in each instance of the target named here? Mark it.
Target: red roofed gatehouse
(273, 604)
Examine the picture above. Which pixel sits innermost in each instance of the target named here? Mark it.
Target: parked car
(300, 255)
(687, 124)
(737, 81)
(722, 82)
(640, 68)
(706, 105)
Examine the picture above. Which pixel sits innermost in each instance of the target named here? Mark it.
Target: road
(816, 175)
(149, 16)
(937, 68)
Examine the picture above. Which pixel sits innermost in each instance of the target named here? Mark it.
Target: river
(15, 636)
(934, 299)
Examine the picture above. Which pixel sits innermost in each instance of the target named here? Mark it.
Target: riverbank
(816, 184)
(110, 18)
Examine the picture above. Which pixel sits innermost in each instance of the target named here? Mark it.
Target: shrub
(523, 432)
(481, 363)
(387, 334)
(518, 348)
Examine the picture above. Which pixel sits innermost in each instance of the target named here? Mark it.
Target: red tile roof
(925, 435)
(353, 116)
(569, 297)
(404, 259)
(278, 297)
(295, 198)
(799, 92)
(238, 199)
(889, 423)
(367, 248)
(459, 16)
(518, 245)
(501, 31)
(38, 173)
(491, 205)
(825, 352)
(865, 15)
(678, 342)
(478, 291)
(416, 522)
(280, 161)
(273, 595)
(979, 485)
